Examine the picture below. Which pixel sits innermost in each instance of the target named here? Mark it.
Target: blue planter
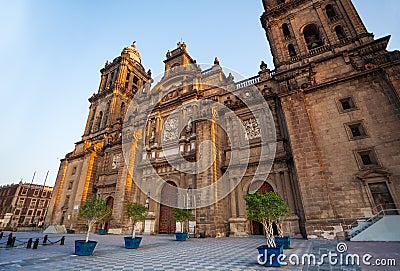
(181, 236)
(102, 232)
(83, 248)
(283, 241)
(272, 255)
(132, 243)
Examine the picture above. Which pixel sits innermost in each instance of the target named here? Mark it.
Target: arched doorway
(262, 187)
(169, 198)
(110, 204)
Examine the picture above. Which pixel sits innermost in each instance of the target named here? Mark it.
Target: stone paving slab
(162, 252)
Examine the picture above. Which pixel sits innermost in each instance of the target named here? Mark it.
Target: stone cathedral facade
(334, 98)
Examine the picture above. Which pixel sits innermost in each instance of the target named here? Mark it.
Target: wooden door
(168, 198)
(382, 198)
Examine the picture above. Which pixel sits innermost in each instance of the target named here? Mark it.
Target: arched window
(110, 79)
(340, 32)
(107, 113)
(312, 36)
(285, 30)
(92, 120)
(99, 120)
(292, 51)
(330, 11)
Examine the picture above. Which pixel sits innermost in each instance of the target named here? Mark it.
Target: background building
(23, 204)
(334, 97)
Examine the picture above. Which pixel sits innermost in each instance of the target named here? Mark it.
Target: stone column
(55, 198)
(290, 193)
(325, 24)
(355, 18)
(233, 197)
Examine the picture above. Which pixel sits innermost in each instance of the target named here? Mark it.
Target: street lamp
(147, 204)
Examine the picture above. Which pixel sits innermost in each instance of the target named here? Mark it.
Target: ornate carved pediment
(373, 173)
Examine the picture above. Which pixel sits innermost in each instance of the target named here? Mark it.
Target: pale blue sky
(52, 52)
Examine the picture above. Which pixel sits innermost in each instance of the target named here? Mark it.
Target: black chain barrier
(13, 242)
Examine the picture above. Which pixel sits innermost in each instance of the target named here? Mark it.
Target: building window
(39, 212)
(367, 158)
(66, 202)
(44, 193)
(73, 171)
(340, 32)
(286, 31)
(41, 203)
(24, 191)
(17, 211)
(347, 104)
(30, 211)
(33, 203)
(292, 51)
(99, 120)
(312, 36)
(111, 78)
(330, 11)
(135, 80)
(71, 183)
(356, 130)
(36, 193)
(21, 202)
(92, 119)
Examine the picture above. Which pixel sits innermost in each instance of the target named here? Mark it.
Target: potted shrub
(181, 216)
(104, 221)
(281, 240)
(93, 210)
(136, 212)
(267, 208)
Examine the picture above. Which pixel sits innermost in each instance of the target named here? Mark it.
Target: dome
(132, 52)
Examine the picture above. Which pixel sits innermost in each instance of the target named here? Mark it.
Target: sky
(52, 53)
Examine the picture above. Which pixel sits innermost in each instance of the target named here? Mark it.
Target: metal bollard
(9, 240)
(1, 235)
(29, 244)
(62, 241)
(36, 244)
(13, 241)
(45, 239)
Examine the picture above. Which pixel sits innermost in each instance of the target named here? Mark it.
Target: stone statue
(189, 126)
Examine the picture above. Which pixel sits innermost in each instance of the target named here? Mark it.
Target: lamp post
(147, 203)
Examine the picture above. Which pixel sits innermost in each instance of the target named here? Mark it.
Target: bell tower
(306, 30)
(120, 81)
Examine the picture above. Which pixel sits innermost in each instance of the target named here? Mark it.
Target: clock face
(170, 131)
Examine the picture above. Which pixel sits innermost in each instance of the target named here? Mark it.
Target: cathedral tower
(95, 167)
(333, 79)
(302, 31)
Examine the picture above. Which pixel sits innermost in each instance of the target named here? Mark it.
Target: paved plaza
(162, 252)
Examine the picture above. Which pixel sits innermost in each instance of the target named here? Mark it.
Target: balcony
(247, 82)
(319, 50)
